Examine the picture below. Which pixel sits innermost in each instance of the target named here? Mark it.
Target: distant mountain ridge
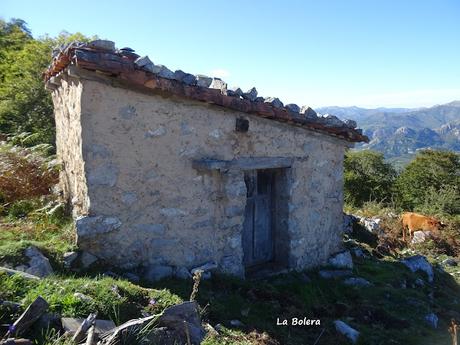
(400, 132)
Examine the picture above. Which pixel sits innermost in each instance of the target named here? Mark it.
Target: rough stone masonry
(156, 165)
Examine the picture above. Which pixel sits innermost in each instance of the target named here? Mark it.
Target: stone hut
(170, 171)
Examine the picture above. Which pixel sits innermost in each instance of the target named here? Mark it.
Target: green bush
(431, 183)
(440, 202)
(367, 178)
(25, 104)
(21, 208)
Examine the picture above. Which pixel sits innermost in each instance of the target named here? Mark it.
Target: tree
(367, 177)
(25, 105)
(431, 173)
(13, 35)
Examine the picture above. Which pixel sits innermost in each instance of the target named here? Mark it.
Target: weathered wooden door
(257, 227)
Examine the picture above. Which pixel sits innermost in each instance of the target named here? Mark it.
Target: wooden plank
(246, 163)
(263, 237)
(250, 181)
(257, 238)
(248, 233)
(25, 275)
(91, 338)
(70, 325)
(12, 341)
(85, 325)
(112, 336)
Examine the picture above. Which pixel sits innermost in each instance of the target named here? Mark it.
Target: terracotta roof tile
(126, 65)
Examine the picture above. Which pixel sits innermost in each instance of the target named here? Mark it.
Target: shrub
(367, 178)
(431, 182)
(21, 208)
(25, 104)
(446, 200)
(24, 174)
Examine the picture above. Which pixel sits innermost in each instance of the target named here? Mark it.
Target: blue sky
(339, 52)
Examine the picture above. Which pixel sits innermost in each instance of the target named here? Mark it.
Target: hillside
(400, 132)
(379, 289)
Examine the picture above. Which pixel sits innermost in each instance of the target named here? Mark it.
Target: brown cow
(414, 221)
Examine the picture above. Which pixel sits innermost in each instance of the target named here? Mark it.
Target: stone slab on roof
(125, 65)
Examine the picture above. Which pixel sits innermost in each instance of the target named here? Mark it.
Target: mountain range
(400, 132)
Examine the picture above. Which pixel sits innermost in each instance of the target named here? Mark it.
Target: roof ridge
(124, 63)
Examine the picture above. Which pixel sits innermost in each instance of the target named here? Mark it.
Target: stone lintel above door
(244, 163)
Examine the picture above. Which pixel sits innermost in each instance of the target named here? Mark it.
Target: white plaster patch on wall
(158, 132)
(216, 134)
(172, 212)
(188, 151)
(127, 112)
(199, 178)
(186, 129)
(234, 242)
(129, 198)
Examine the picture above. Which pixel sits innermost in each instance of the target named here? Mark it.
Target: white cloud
(219, 73)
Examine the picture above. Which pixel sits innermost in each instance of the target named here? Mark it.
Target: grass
(371, 209)
(385, 313)
(112, 299)
(52, 236)
(391, 311)
(228, 336)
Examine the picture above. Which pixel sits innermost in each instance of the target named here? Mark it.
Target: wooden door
(257, 227)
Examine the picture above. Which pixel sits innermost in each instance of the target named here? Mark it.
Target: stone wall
(67, 109)
(146, 205)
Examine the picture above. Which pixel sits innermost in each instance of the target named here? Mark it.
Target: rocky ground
(377, 291)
